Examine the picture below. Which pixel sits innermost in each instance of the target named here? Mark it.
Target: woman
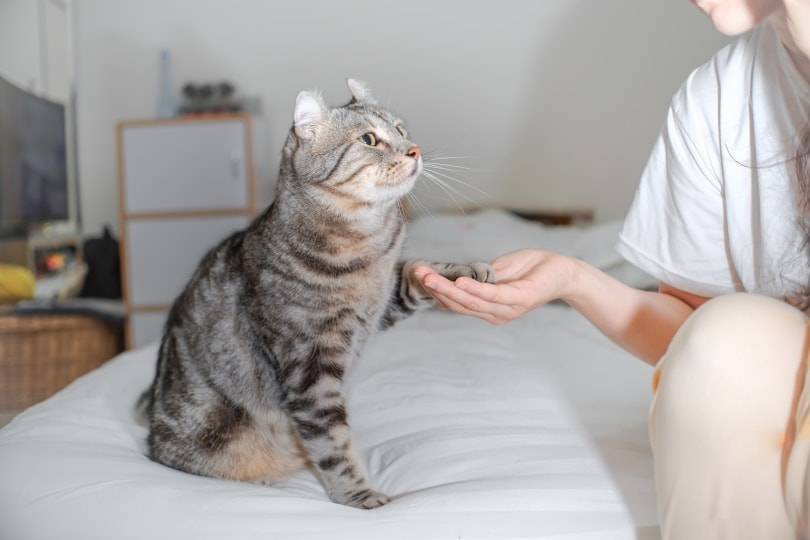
(723, 213)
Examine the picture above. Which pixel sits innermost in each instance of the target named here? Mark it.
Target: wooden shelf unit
(184, 185)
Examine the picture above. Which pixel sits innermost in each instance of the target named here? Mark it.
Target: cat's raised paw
(479, 271)
(483, 272)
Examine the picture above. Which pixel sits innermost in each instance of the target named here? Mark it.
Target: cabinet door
(185, 166)
(164, 253)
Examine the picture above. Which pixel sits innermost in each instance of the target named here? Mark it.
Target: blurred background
(552, 103)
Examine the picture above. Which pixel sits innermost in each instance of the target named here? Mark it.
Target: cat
(253, 352)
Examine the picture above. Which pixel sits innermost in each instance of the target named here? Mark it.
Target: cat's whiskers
(434, 171)
(449, 190)
(442, 174)
(421, 209)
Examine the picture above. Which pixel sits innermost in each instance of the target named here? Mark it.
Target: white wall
(35, 46)
(556, 103)
(19, 44)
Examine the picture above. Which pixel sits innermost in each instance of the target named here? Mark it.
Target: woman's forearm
(642, 322)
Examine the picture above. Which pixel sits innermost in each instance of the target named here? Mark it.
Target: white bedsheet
(534, 429)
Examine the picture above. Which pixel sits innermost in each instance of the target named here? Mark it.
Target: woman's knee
(728, 349)
(735, 328)
(720, 416)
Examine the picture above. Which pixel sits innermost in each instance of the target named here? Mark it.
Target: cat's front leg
(317, 408)
(340, 471)
(413, 292)
(410, 296)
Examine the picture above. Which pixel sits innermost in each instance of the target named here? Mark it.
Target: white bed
(535, 429)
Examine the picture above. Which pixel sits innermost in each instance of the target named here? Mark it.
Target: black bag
(103, 261)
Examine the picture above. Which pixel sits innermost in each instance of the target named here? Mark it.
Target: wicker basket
(41, 354)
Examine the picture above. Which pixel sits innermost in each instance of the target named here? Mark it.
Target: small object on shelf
(44, 255)
(73, 281)
(53, 257)
(209, 98)
(16, 283)
(102, 255)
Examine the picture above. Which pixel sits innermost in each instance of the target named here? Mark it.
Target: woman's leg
(797, 456)
(720, 416)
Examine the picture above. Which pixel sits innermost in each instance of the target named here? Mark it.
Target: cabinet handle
(236, 165)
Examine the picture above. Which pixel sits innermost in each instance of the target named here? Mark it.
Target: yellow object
(16, 283)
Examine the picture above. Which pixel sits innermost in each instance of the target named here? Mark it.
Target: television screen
(33, 161)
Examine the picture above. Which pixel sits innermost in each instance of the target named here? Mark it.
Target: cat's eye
(369, 139)
(402, 131)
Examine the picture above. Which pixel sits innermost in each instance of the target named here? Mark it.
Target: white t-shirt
(716, 208)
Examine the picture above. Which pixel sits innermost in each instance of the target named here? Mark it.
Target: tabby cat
(248, 381)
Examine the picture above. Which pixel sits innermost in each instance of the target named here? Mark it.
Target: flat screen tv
(33, 161)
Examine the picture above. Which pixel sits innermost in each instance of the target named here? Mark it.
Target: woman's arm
(643, 322)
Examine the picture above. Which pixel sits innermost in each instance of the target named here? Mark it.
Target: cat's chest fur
(340, 265)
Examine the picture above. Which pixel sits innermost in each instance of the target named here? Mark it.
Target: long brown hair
(802, 169)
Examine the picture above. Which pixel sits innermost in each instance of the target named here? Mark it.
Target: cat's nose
(413, 152)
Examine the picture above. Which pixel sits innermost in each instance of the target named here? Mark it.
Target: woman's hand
(643, 322)
(524, 280)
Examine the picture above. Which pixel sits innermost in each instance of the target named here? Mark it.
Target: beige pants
(730, 423)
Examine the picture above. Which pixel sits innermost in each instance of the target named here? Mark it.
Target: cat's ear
(360, 92)
(309, 110)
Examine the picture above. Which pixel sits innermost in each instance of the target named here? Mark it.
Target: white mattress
(535, 429)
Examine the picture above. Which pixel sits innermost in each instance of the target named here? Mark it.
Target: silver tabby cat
(248, 381)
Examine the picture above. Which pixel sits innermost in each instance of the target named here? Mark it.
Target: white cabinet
(184, 184)
(192, 165)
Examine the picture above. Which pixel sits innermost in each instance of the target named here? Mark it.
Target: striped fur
(248, 382)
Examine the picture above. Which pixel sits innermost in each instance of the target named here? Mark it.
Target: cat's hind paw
(374, 500)
(365, 499)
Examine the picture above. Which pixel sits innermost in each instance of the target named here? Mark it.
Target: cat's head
(359, 153)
